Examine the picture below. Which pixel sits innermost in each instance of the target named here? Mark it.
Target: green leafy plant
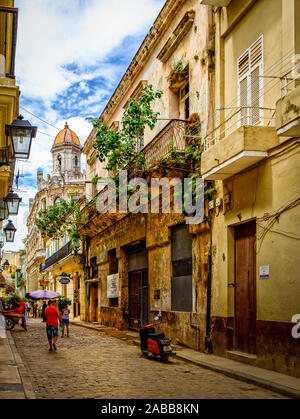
(62, 217)
(63, 302)
(122, 147)
(210, 52)
(13, 300)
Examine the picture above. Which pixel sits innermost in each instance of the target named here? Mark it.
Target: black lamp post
(13, 203)
(2, 237)
(10, 231)
(3, 210)
(21, 133)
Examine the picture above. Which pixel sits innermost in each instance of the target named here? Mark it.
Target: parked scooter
(155, 344)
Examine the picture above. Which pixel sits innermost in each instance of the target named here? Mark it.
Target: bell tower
(66, 154)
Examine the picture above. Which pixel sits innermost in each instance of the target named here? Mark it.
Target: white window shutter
(250, 85)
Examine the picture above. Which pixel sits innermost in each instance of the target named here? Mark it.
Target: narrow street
(91, 364)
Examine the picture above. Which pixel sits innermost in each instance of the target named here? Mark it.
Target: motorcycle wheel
(145, 353)
(164, 357)
(9, 324)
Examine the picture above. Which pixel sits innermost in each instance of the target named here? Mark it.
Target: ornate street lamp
(2, 238)
(10, 231)
(13, 203)
(6, 265)
(21, 134)
(3, 210)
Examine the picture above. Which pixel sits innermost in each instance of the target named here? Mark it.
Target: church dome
(66, 136)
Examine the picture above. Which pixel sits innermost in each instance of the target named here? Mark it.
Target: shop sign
(113, 286)
(64, 281)
(44, 283)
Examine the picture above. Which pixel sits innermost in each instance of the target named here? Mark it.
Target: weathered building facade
(9, 97)
(253, 155)
(143, 264)
(47, 258)
(228, 285)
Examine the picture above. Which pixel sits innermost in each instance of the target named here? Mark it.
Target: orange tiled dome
(66, 136)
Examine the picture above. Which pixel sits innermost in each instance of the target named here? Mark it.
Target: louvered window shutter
(250, 67)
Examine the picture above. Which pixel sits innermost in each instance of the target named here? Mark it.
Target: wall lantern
(21, 133)
(10, 231)
(6, 265)
(13, 203)
(3, 210)
(2, 238)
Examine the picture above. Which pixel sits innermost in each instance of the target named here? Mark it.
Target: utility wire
(48, 123)
(45, 122)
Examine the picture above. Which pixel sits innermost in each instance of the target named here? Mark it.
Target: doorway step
(242, 357)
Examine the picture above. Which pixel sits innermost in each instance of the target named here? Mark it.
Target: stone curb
(248, 378)
(25, 378)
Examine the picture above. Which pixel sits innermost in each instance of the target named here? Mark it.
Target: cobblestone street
(91, 364)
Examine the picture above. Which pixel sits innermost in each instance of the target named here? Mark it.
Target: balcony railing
(8, 41)
(242, 116)
(172, 135)
(59, 255)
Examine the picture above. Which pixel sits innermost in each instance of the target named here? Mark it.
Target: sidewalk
(14, 380)
(271, 380)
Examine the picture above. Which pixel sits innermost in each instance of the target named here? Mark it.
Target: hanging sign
(44, 283)
(113, 286)
(64, 279)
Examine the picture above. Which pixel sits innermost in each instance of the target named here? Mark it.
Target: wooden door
(135, 282)
(138, 299)
(245, 291)
(94, 305)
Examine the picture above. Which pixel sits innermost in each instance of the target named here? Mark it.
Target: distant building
(67, 182)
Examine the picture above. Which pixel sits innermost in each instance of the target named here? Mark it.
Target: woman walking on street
(65, 319)
(43, 311)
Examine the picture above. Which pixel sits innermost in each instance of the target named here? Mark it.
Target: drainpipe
(208, 342)
(211, 107)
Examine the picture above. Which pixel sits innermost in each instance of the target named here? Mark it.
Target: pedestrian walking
(52, 317)
(43, 311)
(65, 321)
(22, 310)
(28, 308)
(35, 307)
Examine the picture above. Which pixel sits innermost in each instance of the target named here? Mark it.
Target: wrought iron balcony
(172, 135)
(8, 41)
(59, 255)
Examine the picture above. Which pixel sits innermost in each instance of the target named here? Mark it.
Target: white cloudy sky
(71, 55)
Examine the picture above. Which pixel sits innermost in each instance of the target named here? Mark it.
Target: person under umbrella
(43, 311)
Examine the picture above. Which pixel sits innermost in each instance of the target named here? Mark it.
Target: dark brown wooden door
(245, 291)
(94, 305)
(138, 298)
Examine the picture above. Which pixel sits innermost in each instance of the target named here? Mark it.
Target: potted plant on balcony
(178, 76)
(193, 127)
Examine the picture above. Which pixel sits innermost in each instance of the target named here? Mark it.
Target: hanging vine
(123, 147)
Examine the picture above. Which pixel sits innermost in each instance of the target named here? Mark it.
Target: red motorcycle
(155, 344)
(11, 316)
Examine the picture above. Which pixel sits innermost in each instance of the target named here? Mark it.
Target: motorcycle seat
(155, 336)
